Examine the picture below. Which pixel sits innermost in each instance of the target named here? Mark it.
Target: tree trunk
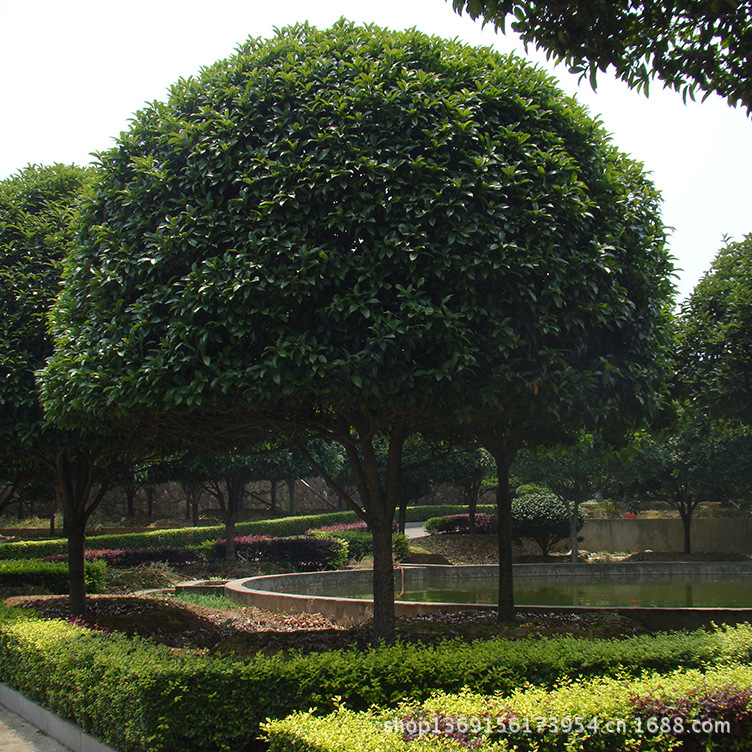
(471, 497)
(503, 451)
(273, 496)
(76, 563)
(573, 537)
(291, 493)
(230, 553)
(383, 579)
(130, 495)
(75, 478)
(235, 485)
(504, 523)
(402, 518)
(686, 518)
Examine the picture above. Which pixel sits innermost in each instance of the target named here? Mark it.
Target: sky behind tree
(73, 73)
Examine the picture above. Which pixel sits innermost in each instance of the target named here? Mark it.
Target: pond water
(691, 591)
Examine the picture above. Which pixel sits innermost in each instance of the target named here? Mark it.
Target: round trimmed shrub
(543, 517)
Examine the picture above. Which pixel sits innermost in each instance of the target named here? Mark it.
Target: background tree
(686, 44)
(714, 352)
(574, 471)
(466, 470)
(359, 235)
(36, 211)
(699, 460)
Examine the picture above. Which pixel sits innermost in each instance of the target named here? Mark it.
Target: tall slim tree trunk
(291, 493)
(273, 496)
(503, 450)
(402, 518)
(574, 543)
(230, 553)
(686, 518)
(383, 579)
(130, 495)
(471, 492)
(504, 523)
(76, 563)
(75, 478)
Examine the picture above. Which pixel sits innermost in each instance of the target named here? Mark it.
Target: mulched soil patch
(248, 631)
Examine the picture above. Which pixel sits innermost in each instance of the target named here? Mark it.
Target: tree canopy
(359, 216)
(688, 45)
(714, 353)
(35, 229)
(360, 234)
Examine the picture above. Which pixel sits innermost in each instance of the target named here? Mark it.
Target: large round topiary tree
(364, 234)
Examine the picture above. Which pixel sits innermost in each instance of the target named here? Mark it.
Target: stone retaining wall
(709, 535)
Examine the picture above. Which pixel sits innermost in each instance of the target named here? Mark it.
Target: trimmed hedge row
(305, 552)
(460, 523)
(52, 576)
(122, 557)
(709, 710)
(193, 536)
(139, 696)
(360, 543)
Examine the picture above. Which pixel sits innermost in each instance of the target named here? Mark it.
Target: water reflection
(722, 591)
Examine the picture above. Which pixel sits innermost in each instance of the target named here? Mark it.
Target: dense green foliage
(138, 696)
(543, 517)
(36, 207)
(686, 44)
(662, 712)
(52, 576)
(360, 544)
(358, 217)
(714, 354)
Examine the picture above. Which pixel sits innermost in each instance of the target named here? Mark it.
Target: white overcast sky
(72, 72)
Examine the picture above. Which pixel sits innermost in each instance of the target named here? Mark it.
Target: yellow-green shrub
(599, 715)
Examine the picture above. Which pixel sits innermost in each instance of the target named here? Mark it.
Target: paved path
(414, 530)
(18, 735)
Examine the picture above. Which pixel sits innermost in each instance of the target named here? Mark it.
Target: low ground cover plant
(140, 697)
(684, 709)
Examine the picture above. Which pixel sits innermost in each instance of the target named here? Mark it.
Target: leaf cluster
(687, 45)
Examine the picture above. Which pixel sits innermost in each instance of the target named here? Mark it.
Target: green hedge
(52, 576)
(688, 710)
(139, 696)
(360, 543)
(193, 536)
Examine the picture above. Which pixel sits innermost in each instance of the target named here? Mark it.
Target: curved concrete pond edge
(277, 592)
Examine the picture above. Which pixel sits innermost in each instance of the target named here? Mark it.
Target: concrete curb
(59, 729)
